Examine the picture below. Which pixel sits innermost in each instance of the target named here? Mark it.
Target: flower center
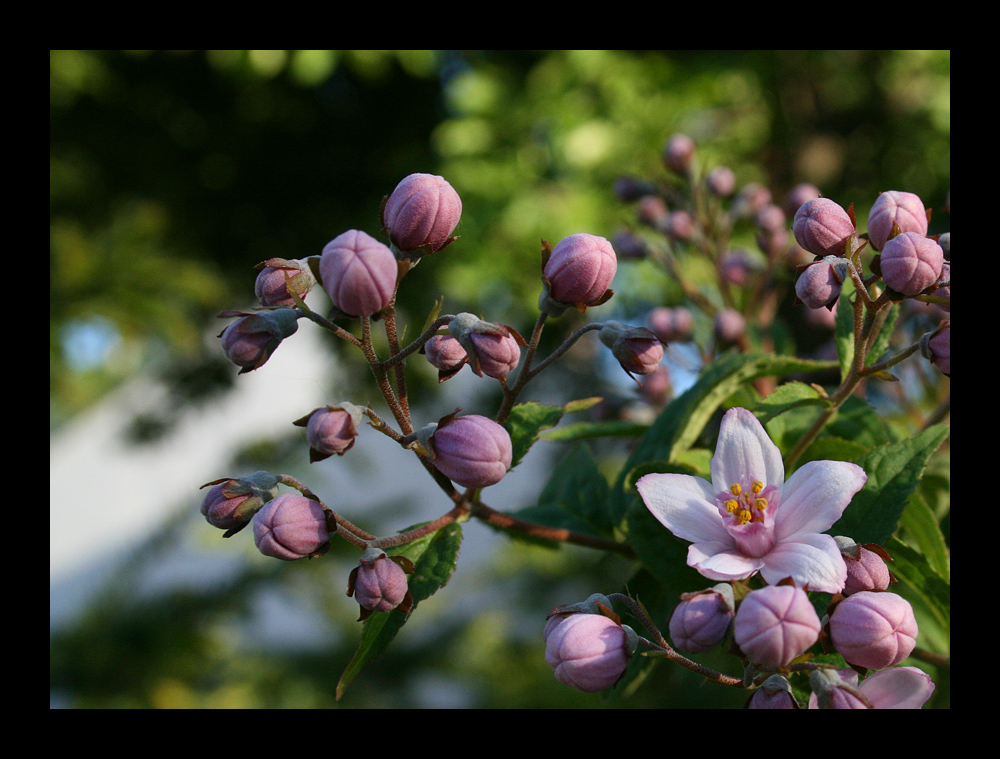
(745, 505)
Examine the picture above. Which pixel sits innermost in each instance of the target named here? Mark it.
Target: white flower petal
(745, 451)
(685, 505)
(811, 559)
(898, 688)
(815, 496)
(717, 561)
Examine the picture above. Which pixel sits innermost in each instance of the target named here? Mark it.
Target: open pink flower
(748, 519)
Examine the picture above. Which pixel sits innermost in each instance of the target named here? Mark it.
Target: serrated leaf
(894, 471)
(434, 557)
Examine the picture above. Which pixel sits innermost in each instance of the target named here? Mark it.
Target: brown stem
(497, 519)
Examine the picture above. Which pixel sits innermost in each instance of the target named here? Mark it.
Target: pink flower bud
(936, 347)
(774, 693)
(358, 273)
(873, 630)
(471, 450)
(446, 355)
(250, 340)
(730, 326)
(672, 325)
(701, 620)
(678, 154)
(775, 624)
(378, 583)
(588, 652)
(276, 276)
(797, 196)
(910, 263)
(291, 527)
(819, 284)
(580, 269)
(423, 210)
(231, 503)
(497, 354)
(637, 349)
(822, 227)
(866, 568)
(904, 209)
(331, 429)
(721, 181)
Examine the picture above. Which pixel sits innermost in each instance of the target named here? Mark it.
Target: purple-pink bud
(678, 154)
(250, 340)
(774, 693)
(730, 325)
(380, 584)
(910, 263)
(445, 354)
(936, 347)
(822, 227)
(276, 276)
(497, 354)
(291, 527)
(331, 429)
(358, 273)
(637, 349)
(798, 195)
(471, 450)
(588, 652)
(819, 284)
(866, 570)
(701, 620)
(873, 630)
(580, 269)
(904, 209)
(672, 324)
(721, 181)
(775, 624)
(423, 210)
(221, 510)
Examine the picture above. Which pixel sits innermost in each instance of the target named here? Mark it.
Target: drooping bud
(278, 278)
(904, 209)
(250, 340)
(492, 349)
(291, 527)
(231, 503)
(820, 282)
(445, 354)
(774, 693)
(331, 429)
(421, 213)
(379, 583)
(637, 349)
(936, 347)
(701, 620)
(358, 273)
(471, 450)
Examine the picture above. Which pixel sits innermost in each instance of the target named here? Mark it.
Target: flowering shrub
(770, 477)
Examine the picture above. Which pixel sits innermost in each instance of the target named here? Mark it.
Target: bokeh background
(172, 173)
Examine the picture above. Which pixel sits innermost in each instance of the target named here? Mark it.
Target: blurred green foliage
(173, 172)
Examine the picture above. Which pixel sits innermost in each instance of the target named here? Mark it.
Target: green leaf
(922, 531)
(786, 397)
(527, 420)
(844, 329)
(881, 343)
(587, 430)
(434, 557)
(577, 486)
(894, 471)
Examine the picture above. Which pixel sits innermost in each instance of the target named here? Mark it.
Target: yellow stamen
(731, 505)
(735, 489)
(757, 487)
(743, 517)
(760, 503)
